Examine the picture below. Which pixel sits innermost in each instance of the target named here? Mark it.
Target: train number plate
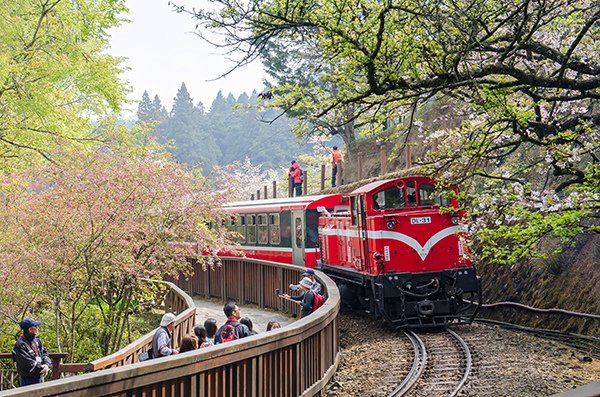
(420, 221)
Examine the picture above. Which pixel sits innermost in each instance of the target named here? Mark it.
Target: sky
(163, 52)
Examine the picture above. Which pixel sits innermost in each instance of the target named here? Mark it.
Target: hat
(306, 282)
(309, 272)
(293, 162)
(167, 319)
(28, 323)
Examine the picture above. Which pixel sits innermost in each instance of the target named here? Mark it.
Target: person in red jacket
(296, 174)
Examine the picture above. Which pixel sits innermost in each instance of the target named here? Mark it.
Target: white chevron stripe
(423, 251)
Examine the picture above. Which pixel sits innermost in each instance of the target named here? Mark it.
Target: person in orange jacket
(296, 174)
(337, 159)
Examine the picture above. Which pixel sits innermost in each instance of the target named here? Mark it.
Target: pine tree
(144, 108)
(158, 111)
(219, 104)
(192, 143)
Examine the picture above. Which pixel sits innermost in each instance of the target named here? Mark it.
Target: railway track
(441, 365)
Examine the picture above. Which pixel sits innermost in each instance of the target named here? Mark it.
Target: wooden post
(360, 163)
(305, 183)
(57, 359)
(266, 192)
(290, 186)
(434, 144)
(322, 177)
(258, 194)
(383, 160)
(274, 189)
(408, 156)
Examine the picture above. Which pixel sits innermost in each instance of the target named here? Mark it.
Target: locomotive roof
(277, 202)
(369, 187)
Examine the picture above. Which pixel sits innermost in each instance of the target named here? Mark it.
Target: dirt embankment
(570, 281)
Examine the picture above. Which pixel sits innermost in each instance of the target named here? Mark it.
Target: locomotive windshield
(396, 197)
(430, 195)
(392, 197)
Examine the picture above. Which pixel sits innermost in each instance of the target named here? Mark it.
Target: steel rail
(417, 368)
(420, 363)
(468, 362)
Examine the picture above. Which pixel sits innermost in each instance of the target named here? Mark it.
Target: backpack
(318, 301)
(228, 333)
(146, 355)
(301, 175)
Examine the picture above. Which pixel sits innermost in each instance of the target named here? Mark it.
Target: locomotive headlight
(455, 219)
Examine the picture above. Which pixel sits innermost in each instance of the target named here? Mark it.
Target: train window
(411, 192)
(299, 231)
(241, 228)
(354, 207)
(426, 194)
(430, 195)
(444, 198)
(251, 228)
(263, 229)
(392, 197)
(275, 229)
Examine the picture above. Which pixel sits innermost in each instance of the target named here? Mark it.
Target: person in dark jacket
(238, 330)
(316, 287)
(247, 321)
(306, 299)
(33, 363)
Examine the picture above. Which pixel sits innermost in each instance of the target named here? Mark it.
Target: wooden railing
(8, 377)
(175, 301)
(296, 360)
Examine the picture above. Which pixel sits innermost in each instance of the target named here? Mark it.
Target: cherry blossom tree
(244, 179)
(88, 229)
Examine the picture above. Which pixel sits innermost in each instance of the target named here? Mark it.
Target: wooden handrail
(55, 357)
(175, 299)
(296, 360)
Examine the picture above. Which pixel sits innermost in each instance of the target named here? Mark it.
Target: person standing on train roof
(316, 287)
(337, 160)
(296, 174)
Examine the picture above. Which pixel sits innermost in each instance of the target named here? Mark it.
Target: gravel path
(505, 363)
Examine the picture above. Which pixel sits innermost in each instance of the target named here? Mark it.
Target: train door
(298, 233)
(359, 235)
(362, 227)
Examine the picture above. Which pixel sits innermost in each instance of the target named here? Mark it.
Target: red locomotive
(389, 246)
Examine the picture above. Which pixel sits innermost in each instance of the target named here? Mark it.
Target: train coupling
(425, 307)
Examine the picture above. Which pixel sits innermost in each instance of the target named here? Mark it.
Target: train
(396, 248)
